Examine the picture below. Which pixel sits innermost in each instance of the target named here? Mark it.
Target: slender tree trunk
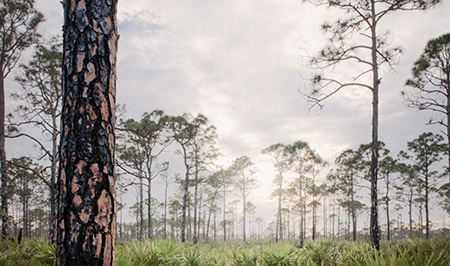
(387, 209)
(233, 228)
(53, 186)
(244, 211)
(25, 217)
(3, 170)
(288, 223)
(185, 197)
(305, 219)
(353, 212)
(427, 218)
(301, 234)
(448, 124)
(334, 214)
(224, 216)
(165, 210)
(355, 225)
(278, 231)
(86, 184)
(141, 207)
(210, 212)
(215, 225)
(313, 207)
(189, 218)
(374, 230)
(420, 218)
(339, 222)
(410, 203)
(149, 208)
(199, 216)
(348, 224)
(121, 222)
(324, 213)
(195, 201)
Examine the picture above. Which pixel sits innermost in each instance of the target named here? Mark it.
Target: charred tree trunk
(353, 211)
(3, 171)
(410, 203)
(374, 233)
(448, 122)
(302, 236)
(86, 184)
(427, 218)
(388, 221)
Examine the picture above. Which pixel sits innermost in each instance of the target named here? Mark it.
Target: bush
(314, 253)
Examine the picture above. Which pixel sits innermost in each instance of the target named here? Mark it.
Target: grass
(319, 253)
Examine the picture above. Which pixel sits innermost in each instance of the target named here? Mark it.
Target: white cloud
(238, 63)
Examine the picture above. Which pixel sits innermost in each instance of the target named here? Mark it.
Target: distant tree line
(409, 181)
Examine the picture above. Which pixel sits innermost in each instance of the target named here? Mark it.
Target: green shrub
(314, 253)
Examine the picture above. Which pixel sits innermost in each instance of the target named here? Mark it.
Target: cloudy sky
(241, 64)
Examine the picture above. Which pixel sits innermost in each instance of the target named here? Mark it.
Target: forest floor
(321, 253)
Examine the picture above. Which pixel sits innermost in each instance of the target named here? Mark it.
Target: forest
(92, 181)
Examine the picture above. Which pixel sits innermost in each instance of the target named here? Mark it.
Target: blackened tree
(86, 184)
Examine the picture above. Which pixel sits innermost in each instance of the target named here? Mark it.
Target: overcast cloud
(239, 63)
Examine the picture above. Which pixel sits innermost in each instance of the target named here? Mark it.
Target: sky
(242, 65)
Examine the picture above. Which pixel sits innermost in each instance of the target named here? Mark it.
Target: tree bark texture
(86, 184)
(374, 232)
(427, 217)
(3, 171)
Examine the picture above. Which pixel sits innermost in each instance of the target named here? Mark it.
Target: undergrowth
(318, 253)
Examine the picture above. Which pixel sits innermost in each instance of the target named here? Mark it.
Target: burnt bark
(86, 184)
(427, 217)
(3, 171)
(374, 230)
